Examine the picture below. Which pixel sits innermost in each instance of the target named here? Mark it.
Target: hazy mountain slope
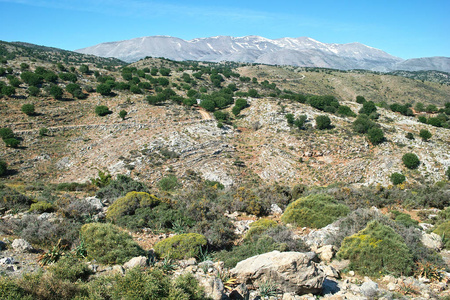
(301, 51)
(425, 63)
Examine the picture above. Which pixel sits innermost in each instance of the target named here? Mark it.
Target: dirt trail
(205, 114)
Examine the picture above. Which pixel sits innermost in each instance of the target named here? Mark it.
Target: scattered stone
(369, 288)
(213, 286)
(188, 262)
(240, 293)
(293, 272)
(326, 253)
(329, 271)
(7, 260)
(432, 241)
(318, 238)
(95, 202)
(140, 261)
(275, 209)
(20, 245)
(241, 227)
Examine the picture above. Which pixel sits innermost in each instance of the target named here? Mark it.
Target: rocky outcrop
(292, 272)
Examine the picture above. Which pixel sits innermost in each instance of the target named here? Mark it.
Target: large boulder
(21, 245)
(432, 241)
(292, 272)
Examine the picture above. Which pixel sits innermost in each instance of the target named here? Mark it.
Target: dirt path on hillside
(205, 114)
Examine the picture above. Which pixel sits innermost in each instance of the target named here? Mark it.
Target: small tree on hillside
(102, 110)
(3, 168)
(28, 109)
(123, 114)
(425, 135)
(410, 160)
(397, 178)
(375, 135)
(323, 122)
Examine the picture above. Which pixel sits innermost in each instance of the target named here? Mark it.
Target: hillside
(162, 178)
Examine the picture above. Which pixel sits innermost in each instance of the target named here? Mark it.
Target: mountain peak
(301, 51)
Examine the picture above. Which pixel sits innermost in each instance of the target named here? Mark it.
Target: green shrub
(181, 246)
(153, 284)
(42, 206)
(314, 211)
(448, 173)
(70, 268)
(168, 183)
(28, 109)
(108, 244)
(260, 226)
(104, 89)
(43, 131)
(6, 133)
(375, 135)
(119, 187)
(368, 108)
(444, 231)
(425, 135)
(323, 122)
(362, 124)
(127, 205)
(12, 142)
(344, 110)
(122, 114)
(12, 199)
(56, 92)
(360, 99)
(10, 290)
(397, 178)
(410, 136)
(404, 219)
(377, 250)
(34, 91)
(3, 168)
(102, 110)
(410, 160)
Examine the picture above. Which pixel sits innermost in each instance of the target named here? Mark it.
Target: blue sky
(406, 29)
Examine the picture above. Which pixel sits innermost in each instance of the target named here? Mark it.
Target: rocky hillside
(189, 180)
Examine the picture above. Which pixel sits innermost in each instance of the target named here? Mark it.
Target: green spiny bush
(403, 219)
(397, 178)
(181, 246)
(108, 244)
(314, 211)
(260, 226)
(377, 250)
(70, 268)
(11, 290)
(410, 160)
(42, 206)
(127, 205)
(444, 231)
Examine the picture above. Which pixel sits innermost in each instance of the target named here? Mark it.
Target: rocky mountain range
(302, 51)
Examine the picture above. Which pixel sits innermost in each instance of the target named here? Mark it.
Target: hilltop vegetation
(160, 147)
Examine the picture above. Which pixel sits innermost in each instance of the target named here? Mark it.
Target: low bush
(397, 178)
(71, 269)
(314, 211)
(42, 206)
(323, 122)
(102, 110)
(410, 160)
(3, 168)
(153, 284)
(444, 231)
(127, 205)
(42, 232)
(12, 199)
(260, 226)
(11, 290)
(403, 219)
(344, 110)
(181, 246)
(377, 250)
(375, 135)
(168, 183)
(108, 244)
(119, 187)
(28, 109)
(425, 135)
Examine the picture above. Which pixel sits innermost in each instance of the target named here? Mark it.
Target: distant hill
(302, 51)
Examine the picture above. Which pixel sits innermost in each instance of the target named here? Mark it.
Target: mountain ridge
(301, 51)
